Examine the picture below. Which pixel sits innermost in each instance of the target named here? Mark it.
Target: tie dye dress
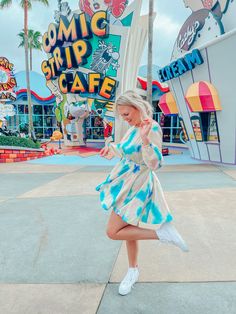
(132, 189)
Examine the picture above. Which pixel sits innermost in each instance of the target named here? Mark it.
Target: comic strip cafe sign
(69, 45)
(7, 80)
(180, 66)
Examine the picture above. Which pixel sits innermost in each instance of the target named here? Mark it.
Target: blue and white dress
(132, 189)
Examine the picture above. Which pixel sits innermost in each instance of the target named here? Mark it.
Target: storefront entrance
(93, 128)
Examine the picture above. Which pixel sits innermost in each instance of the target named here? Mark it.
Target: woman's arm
(151, 136)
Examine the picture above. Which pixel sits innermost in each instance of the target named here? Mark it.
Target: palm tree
(34, 43)
(26, 5)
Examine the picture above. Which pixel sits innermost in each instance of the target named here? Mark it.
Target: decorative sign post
(7, 81)
(7, 88)
(88, 58)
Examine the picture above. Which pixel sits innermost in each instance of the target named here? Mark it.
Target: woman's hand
(145, 128)
(104, 152)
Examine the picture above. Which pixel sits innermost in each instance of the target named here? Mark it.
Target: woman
(132, 189)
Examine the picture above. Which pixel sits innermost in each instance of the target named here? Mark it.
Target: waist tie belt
(135, 164)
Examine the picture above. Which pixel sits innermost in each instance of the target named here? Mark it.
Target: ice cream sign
(7, 80)
(69, 45)
(180, 66)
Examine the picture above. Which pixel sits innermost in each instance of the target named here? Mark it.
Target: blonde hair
(130, 98)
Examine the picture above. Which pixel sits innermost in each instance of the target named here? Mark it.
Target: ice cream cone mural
(201, 27)
(202, 79)
(87, 49)
(224, 10)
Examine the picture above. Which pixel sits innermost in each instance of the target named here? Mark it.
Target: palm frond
(37, 34)
(34, 39)
(30, 33)
(5, 4)
(22, 4)
(22, 37)
(45, 2)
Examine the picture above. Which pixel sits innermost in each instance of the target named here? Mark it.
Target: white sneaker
(168, 234)
(127, 283)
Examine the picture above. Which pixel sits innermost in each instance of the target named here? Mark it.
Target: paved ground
(56, 259)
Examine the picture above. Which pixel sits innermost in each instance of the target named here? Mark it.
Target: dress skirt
(132, 189)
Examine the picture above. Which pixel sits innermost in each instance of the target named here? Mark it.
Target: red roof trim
(35, 95)
(158, 84)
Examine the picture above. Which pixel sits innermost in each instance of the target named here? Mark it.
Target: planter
(9, 154)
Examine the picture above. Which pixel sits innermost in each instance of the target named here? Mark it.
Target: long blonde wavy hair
(130, 98)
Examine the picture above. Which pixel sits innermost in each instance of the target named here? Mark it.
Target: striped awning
(163, 87)
(168, 104)
(202, 96)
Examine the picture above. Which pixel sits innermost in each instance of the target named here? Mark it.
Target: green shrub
(17, 141)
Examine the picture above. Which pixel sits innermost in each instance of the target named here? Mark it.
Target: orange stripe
(217, 102)
(171, 103)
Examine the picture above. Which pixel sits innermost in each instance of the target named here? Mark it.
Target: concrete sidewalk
(55, 257)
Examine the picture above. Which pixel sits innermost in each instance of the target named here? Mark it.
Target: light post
(150, 40)
(59, 143)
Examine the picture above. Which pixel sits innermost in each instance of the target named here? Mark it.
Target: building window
(94, 128)
(170, 125)
(37, 109)
(209, 126)
(44, 119)
(197, 128)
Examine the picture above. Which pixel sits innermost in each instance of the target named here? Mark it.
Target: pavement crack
(43, 238)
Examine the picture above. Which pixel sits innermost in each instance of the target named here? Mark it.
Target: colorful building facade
(202, 80)
(43, 105)
(90, 60)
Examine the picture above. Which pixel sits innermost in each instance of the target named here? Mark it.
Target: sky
(170, 16)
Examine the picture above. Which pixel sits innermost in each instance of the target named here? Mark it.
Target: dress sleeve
(114, 148)
(152, 153)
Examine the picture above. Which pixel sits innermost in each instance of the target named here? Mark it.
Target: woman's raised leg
(115, 224)
(117, 229)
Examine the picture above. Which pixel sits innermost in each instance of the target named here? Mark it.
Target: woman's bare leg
(132, 251)
(117, 229)
(115, 224)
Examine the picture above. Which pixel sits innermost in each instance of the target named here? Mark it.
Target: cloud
(12, 23)
(164, 35)
(166, 26)
(166, 30)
